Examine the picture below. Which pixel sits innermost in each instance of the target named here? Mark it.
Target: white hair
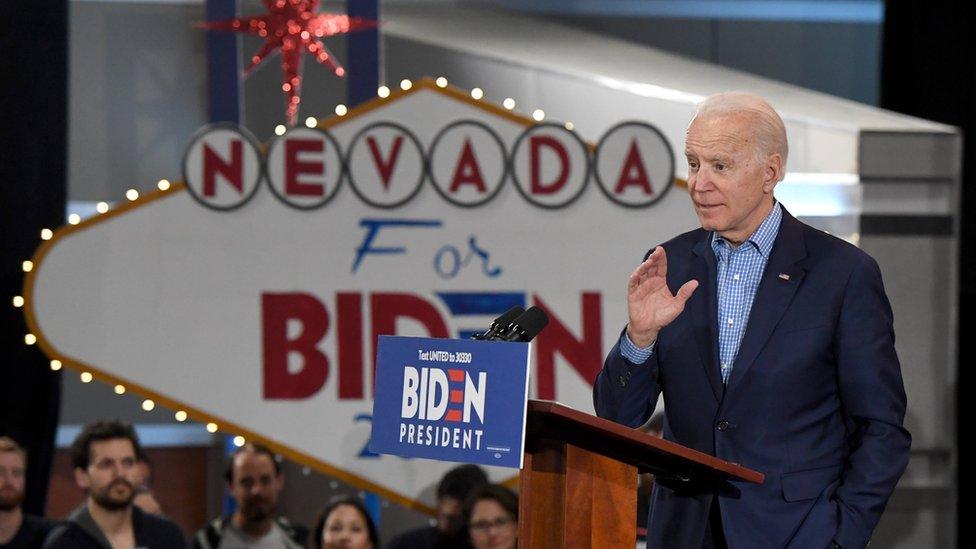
(770, 132)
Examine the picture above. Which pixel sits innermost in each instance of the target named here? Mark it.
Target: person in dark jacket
(17, 529)
(104, 460)
(452, 490)
(773, 345)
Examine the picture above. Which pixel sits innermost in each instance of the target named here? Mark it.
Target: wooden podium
(578, 486)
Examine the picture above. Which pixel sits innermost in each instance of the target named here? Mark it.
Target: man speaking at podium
(772, 343)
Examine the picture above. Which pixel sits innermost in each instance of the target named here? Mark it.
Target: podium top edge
(593, 431)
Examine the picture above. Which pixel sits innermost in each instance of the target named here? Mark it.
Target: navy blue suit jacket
(815, 400)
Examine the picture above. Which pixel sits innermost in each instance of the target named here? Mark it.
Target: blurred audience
(255, 481)
(145, 498)
(104, 459)
(16, 528)
(491, 516)
(453, 489)
(345, 524)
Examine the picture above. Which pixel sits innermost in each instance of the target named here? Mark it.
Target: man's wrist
(633, 353)
(643, 340)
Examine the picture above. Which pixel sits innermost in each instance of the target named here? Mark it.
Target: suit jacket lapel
(773, 296)
(704, 312)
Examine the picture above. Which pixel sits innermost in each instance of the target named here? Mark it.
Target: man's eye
(720, 167)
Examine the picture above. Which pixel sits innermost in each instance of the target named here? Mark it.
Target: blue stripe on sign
(151, 435)
(372, 504)
(223, 65)
(485, 303)
(363, 68)
(230, 504)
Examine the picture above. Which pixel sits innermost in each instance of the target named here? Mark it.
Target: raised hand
(650, 303)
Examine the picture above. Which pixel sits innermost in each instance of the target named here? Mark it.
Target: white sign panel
(256, 301)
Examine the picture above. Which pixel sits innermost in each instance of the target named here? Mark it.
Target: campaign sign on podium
(451, 400)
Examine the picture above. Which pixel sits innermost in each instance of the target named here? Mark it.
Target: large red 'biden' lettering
(585, 354)
(276, 311)
(387, 308)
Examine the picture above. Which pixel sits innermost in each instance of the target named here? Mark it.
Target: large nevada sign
(252, 296)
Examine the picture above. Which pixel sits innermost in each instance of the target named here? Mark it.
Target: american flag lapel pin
(784, 276)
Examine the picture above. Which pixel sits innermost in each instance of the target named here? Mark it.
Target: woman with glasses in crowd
(491, 512)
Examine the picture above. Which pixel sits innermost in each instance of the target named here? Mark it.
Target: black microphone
(525, 327)
(500, 324)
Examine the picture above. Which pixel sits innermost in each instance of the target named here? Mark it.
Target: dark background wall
(33, 118)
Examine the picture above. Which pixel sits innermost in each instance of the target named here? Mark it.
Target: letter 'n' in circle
(222, 166)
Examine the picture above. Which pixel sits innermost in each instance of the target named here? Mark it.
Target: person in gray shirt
(254, 479)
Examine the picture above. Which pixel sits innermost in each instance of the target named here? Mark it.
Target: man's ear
(81, 478)
(773, 172)
(280, 481)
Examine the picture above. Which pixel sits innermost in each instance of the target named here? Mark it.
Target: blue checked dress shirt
(739, 272)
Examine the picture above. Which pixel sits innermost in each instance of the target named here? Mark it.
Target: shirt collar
(764, 236)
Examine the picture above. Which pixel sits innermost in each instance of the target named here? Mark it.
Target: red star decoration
(293, 26)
